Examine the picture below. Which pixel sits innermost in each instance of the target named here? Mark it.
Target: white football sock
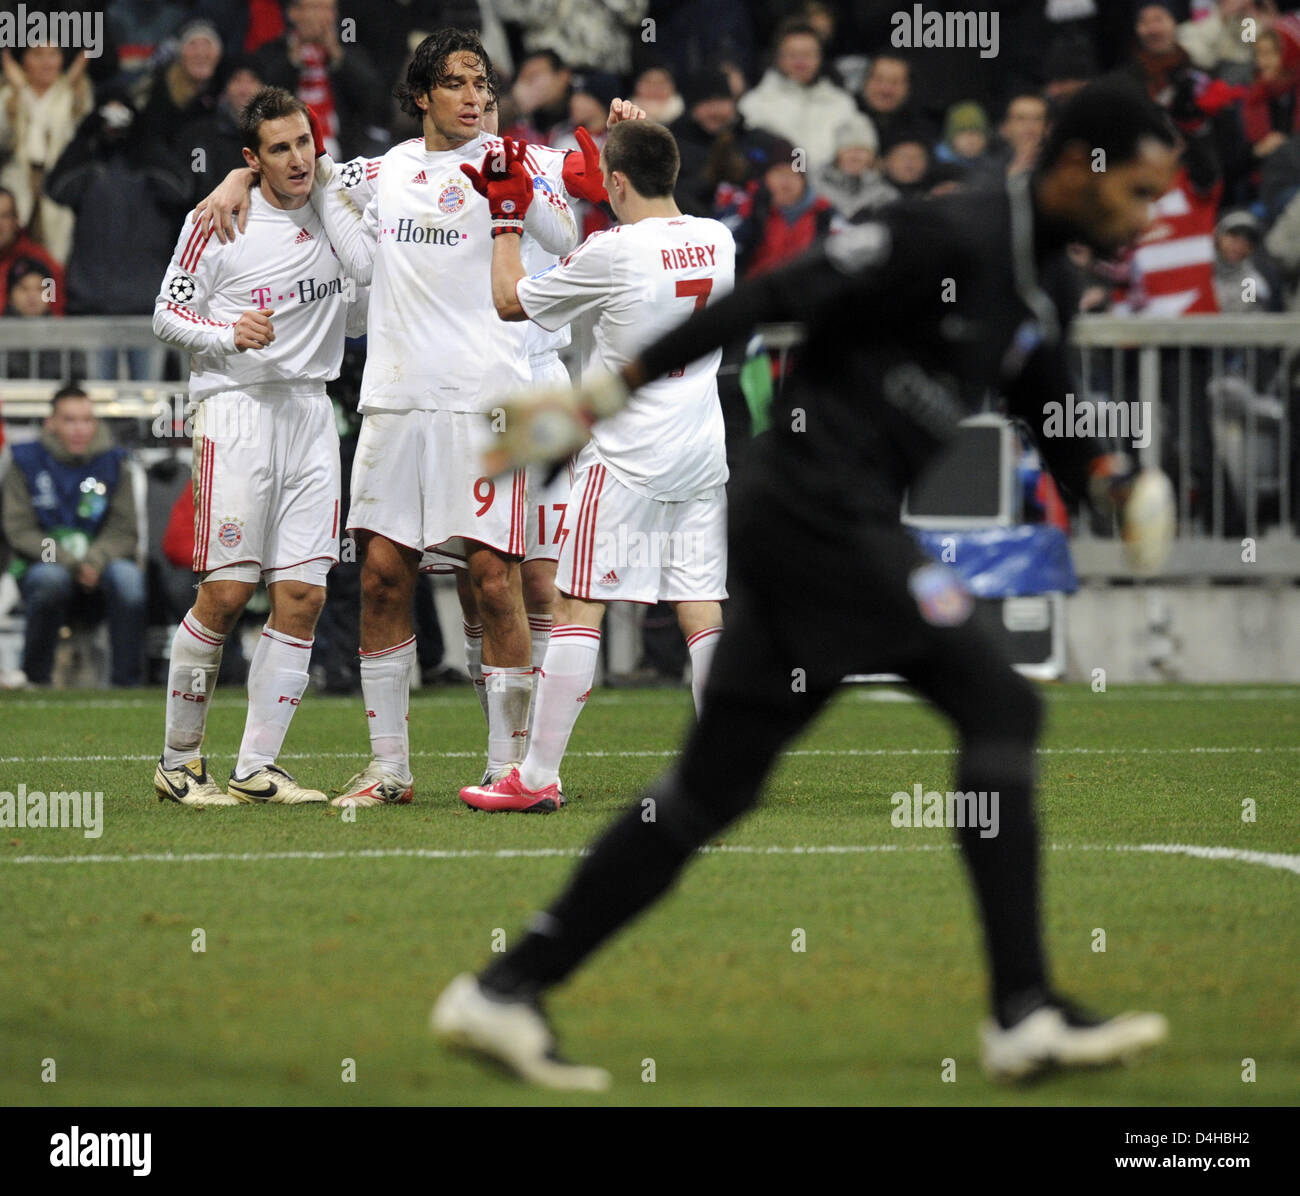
(386, 691)
(565, 681)
(474, 660)
(191, 678)
(277, 679)
(539, 634)
(701, 646)
(509, 695)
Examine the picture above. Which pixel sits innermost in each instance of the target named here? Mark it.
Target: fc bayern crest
(351, 174)
(181, 288)
(230, 533)
(451, 199)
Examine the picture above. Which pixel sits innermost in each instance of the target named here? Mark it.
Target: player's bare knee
(219, 604)
(539, 591)
(295, 608)
(498, 594)
(385, 587)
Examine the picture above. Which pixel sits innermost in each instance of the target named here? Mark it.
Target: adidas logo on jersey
(419, 178)
(302, 236)
(610, 579)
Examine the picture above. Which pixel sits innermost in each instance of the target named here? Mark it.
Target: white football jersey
(643, 279)
(283, 262)
(424, 241)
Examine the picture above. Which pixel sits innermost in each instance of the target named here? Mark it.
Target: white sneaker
(1057, 1034)
(512, 1032)
(373, 786)
(190, 785)
(272, 785)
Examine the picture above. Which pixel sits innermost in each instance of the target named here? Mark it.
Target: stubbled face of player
(285, 160)
(1115, 205)
(453, 110)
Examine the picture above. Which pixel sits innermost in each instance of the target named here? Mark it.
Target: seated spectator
(1023, 128)
(1221, 41)
(27, 289)
(127, 190)
(1270, 113)
(656, 92)
(591, 94)
(596, 32)
(339, 82)
(886, 100)
(906, 164)
(1283, 246)
(183, 88)
(539, 100)
(70, 517)
(1243, 284)
(245, 26)
(141, 26)
(853, 183)
(713, 140)
(793, 101)
(777, 215)
(965, 144)
(40, 106)
(16, 245)
(217, 133)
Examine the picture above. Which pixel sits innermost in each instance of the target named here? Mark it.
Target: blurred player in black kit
(911, 321)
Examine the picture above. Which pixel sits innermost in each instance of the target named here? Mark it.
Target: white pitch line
(662, 753)
(1279, 860)
(680, 698)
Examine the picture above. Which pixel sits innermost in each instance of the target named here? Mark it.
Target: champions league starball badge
(351, 174)
(181, 288)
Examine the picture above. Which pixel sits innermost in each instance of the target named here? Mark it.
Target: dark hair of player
(270, 103)
(72, 390)
(646, 154)
(1112, 115)
(429, 67)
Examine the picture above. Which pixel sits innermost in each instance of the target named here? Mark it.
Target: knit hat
(966, 117)
(856, 130)
(198, 28)
(1239, 220)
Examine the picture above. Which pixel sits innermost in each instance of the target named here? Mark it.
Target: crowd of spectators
(795, 119)
(792, 117)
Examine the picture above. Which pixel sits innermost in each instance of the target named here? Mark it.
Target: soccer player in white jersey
(578, 173)
(264, 319)
(647, 510)
(435, 359)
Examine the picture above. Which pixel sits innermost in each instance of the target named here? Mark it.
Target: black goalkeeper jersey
(912, 322)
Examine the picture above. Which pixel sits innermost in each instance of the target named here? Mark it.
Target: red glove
(506, 183)
(582, 170)
(317, 130)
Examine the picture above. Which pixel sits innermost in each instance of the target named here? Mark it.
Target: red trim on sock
(386, 651)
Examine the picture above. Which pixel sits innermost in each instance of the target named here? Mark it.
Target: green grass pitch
(327, 940)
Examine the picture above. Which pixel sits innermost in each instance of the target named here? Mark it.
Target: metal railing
(101, 348)
(1217, 394)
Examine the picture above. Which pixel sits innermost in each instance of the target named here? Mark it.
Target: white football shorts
(417, 480)
(266, 485)
(624, 547)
